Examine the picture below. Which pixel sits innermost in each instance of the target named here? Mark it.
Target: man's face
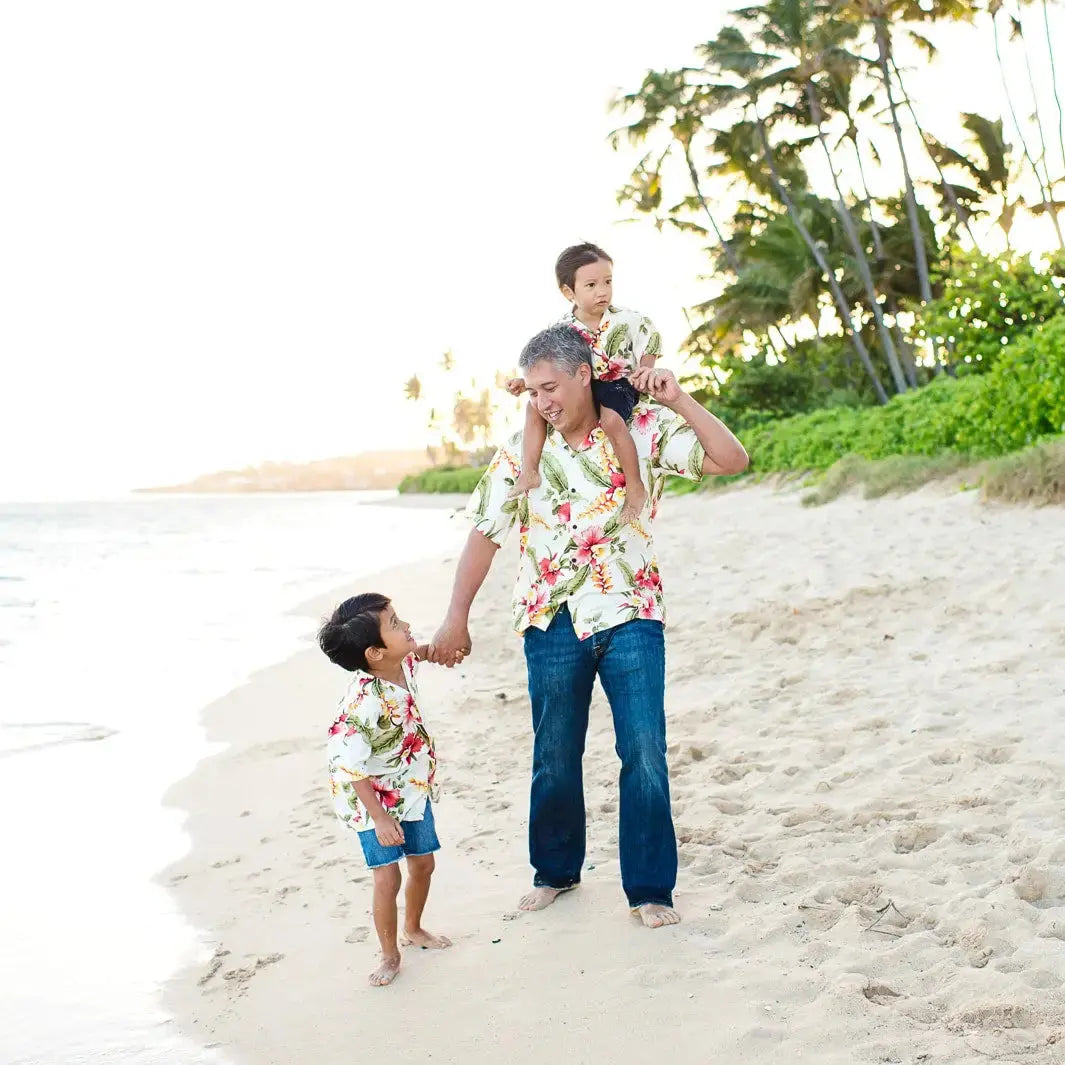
(562, 399)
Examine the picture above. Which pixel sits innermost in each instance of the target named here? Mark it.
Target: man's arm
(452, 639)
(724, 453)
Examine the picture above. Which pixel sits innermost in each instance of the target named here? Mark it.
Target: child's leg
(419, 873)
(532, 447)
(386, 882)
(625, 449)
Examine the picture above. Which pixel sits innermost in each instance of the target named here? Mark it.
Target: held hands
(660, 385)
(389, 832)
(515, 386)
(451, 644)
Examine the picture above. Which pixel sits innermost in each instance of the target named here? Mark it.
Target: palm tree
(803, 46)
(1054, 83)
(732, 55)
(1045, 196)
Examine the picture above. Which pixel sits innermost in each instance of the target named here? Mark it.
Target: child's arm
(625, 448)
(389, 832)
(532, 447)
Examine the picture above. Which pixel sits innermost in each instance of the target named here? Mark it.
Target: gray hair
(560, 344)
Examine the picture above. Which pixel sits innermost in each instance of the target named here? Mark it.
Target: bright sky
(232, 230)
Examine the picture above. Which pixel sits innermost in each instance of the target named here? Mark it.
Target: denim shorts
(419, 837)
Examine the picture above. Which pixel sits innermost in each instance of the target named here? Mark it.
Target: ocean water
(119, 621)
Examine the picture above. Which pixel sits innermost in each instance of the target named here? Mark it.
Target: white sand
(868, 763)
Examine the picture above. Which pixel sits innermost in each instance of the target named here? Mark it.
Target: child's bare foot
(386, 972)
(635, 501)
(526, 482)
(426, 940)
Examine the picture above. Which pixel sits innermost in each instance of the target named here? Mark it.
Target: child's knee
(421, 865)
(388, 878)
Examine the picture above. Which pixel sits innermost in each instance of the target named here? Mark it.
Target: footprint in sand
(357, 935)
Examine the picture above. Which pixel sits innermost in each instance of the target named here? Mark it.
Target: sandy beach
(868, 772)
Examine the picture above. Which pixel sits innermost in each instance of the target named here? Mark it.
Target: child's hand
(389, 832)
(515, 386)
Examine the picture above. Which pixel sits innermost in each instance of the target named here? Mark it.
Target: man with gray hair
(588, 603)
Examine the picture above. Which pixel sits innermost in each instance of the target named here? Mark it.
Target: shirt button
(575, 525)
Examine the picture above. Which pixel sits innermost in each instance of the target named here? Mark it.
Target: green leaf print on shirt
(555, 477)
(593, 472)
(616, 340)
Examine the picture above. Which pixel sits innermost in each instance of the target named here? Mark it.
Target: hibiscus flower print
(387, 795)
(647, 608)
(550, 570)
(648, 578)
(644, 418)
(563, 513)
(612, 369)
(412, 744)
(535, 602)
(340, 725)
(588, 544)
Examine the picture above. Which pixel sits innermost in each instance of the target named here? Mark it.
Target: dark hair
(352, 629)
(572, 259)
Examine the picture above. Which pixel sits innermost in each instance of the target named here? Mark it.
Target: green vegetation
(446, 480)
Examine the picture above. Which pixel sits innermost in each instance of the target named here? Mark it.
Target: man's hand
(389, 832)
(515, 386)
(451, 644)
(660, 385)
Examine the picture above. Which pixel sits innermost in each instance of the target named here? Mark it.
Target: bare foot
(635, 501)
(526, 482)
(654, 915)
(386, 972)
(542, 897)
(426, 940)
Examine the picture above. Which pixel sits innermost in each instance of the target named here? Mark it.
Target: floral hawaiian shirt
(572, 549)
(622, 339)
(379, 735)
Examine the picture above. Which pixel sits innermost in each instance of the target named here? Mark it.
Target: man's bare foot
(654, 915)
(526, 482)
(635, 501)
(542, 897)
(426, 940)
(386, 972)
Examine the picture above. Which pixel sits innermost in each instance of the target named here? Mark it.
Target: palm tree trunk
(822, 263)
(883, 43)
(878, 243)
(1036, 112)
(886, 341)
(1020, 132)
(947, 190)
(726, 247)
(1054, 82)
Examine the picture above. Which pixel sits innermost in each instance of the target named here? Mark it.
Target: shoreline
(862, 733)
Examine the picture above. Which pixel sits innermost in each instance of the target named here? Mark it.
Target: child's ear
(568, 293)
(374, 655)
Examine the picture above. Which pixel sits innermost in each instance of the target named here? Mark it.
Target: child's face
(395, 635)
(593, 288)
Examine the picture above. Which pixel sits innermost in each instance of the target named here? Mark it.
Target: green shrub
(1018, 403)
(445, 480)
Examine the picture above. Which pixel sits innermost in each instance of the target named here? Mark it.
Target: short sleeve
(489, 510)
(676, 449)
(647, 341)
(350, 745)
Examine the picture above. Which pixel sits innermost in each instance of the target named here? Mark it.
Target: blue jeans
(629, 660)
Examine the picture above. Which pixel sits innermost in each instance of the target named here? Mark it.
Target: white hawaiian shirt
(572, 549)
(379, 735)
(621, 340)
